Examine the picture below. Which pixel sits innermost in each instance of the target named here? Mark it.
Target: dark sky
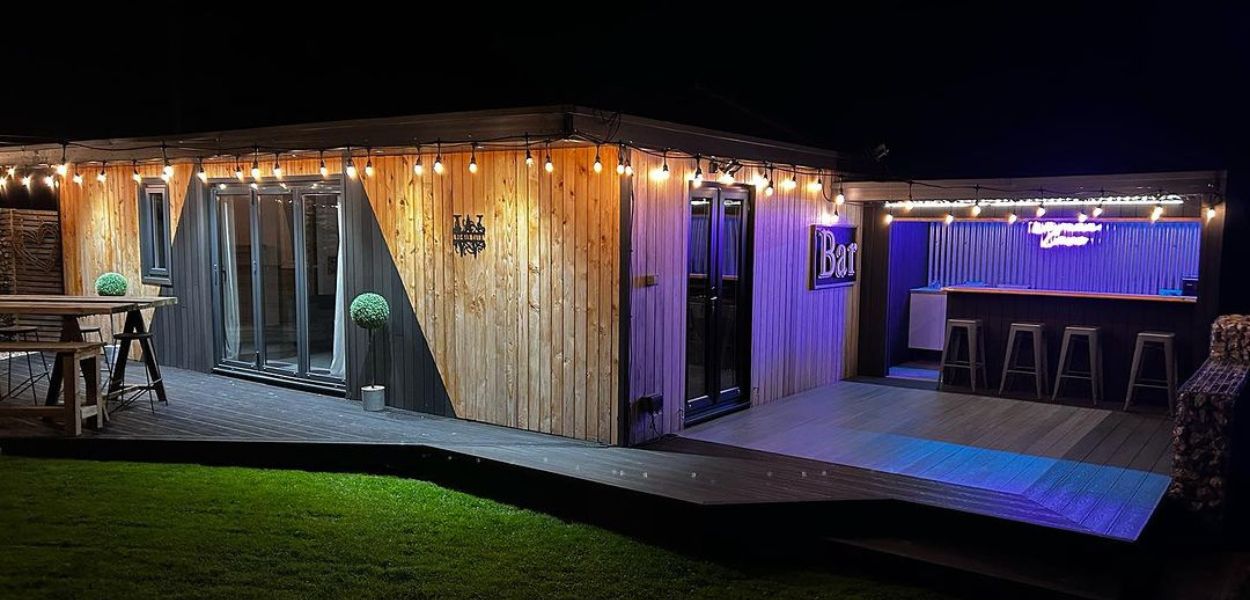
(1020, 89)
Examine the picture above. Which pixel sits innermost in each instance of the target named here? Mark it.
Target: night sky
(1007, 89)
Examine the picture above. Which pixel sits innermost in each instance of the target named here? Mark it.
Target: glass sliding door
(280, 279)
(718, 292)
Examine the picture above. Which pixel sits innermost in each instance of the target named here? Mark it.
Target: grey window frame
(150, 239)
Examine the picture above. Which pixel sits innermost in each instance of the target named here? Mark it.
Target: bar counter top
(1068, 294)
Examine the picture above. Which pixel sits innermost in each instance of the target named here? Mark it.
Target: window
(154, 246)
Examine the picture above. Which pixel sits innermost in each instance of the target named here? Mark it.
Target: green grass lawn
(79, 529)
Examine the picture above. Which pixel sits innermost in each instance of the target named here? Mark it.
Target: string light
(909, 204)
(768, 189)
(1097, 212)
(417, 168)
(473, 159)
(1012, 218)
(620, 160)
(837, 217)
(12, 170)
(438, 158)
(888, 218)
(840, 199)
(976, 208)
(321, 158)
(529, 156)
(548, 165)
(1081, 217)
(63, 167)
(790, 183)
(134, 174)
(629, 166)
(948, 219)
(598, 163)
(698, 173)
(726, 178)
(368, 162)
(101, 176)
(277, 167)
(816, 185)
(49, 181)
(661, 173)
(238, 168)
(201, 173)
(26, 181)
(1156, 212)
(256, 164)
(167, 171)
(350, 169)
(78, 178)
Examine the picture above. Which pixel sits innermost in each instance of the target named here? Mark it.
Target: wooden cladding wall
(800, 338)
(525, 334)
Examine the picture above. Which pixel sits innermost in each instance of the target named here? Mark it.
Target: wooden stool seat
(69, 355)
(1093, 347)
(89, 328)
(125, 394)
(1165, 341)
(1037, 370)
(975, 344)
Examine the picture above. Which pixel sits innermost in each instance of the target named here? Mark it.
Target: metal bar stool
(151, 371)
(1164, 342)
(1093, 352)
(1038, 369)
(13, 333)
(87, 331)
(975, 344)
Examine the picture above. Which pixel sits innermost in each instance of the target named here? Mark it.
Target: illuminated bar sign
(1055, 234)
(834, 252)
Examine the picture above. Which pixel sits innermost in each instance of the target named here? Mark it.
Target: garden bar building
(1007, 348)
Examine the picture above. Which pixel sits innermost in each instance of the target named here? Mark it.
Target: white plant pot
(374, 397)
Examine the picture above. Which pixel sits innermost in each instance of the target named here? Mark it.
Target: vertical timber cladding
(800, 338)
(100, 229)
(526, 333)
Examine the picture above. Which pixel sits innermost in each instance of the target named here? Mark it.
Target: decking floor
(985, 469)
(1099, 471)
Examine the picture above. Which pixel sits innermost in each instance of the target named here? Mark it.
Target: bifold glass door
(278, 266)
(718, 331)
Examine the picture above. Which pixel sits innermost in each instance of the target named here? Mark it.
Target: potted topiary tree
(111, 284)
(371, 311)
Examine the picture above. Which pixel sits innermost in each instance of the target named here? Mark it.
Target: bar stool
(1165, 342)
(12, 333)
(87, 331)
(151, 371)
(1038, 369)
(1094, 353)
(975, 343)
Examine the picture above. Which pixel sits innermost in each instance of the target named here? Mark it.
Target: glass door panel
(698, 300)
(277, 274)
(234, 242)
(322, 266)
(730, 332)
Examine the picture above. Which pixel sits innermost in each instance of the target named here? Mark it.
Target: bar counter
(1119, 316)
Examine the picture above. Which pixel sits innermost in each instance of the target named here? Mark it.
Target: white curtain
(339, 358)
(230, 283)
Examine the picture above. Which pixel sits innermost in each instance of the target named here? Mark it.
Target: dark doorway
(718, 294)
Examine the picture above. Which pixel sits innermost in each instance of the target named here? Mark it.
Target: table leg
(134, 324)
(73, 409)
(149, 356)
(91, 373)
(69, 333)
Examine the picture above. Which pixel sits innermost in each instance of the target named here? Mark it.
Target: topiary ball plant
(111, 284)
(371, 311)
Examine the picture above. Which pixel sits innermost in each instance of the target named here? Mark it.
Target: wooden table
(72, 308)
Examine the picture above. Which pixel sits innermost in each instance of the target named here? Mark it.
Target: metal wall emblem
(467, 236)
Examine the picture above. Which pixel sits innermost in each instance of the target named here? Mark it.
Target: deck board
(1021, 461)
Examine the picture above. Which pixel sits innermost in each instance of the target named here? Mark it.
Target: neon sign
(1055, 234)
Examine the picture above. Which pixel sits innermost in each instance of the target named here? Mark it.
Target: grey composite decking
(1098, 471)
(227, 410)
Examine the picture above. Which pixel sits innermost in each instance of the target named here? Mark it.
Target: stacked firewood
(1202, 435)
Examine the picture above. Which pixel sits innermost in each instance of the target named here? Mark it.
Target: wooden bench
(69, 356)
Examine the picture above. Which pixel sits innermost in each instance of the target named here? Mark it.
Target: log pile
(1202, 434)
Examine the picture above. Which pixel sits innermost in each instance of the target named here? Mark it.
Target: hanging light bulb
(1098, 210)
(529, 156)
(321, 157)
(12, 171)
(473, 159)
(418, 169)
(63, 167)
(1041, 211)
(948, 219)
(201, 173)
(662, 173)
(548, 165)
(49, 181)
(698, 173)
(1012, 218)
(26, 181)
(598, 163)
(790, 183)
(101, 176)
(837, 217)
(1081, 217)
(277, 167)
(816, 185)
(768, 189)
(1156, 212)
(134, 174)
(1210, 212)
(976, 209)
(629, 166)
(438, 159)
(726, 178)
(620, 160)
(368, 163)
(840, 199)
(350, 169)
(78, 178)
(888, 218)
(255, 168)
